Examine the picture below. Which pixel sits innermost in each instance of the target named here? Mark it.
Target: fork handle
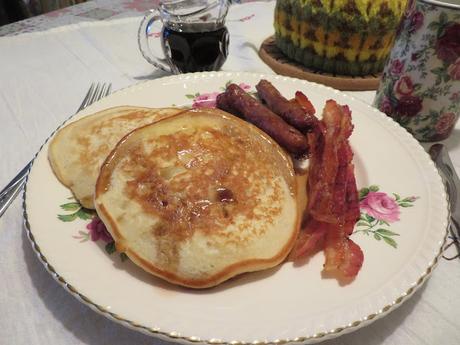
(9, 193)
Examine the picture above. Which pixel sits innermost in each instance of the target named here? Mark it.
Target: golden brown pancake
(199, 197)
(78, 150)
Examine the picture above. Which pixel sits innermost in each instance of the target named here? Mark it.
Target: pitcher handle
(143, 41)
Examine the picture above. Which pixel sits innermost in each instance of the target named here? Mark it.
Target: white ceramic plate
(289, 303)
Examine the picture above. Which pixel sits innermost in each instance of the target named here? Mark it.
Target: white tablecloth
(43, 77)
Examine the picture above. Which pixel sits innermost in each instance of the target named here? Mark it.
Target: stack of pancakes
(192, 196)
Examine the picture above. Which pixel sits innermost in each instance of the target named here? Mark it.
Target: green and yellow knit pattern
(352, 37)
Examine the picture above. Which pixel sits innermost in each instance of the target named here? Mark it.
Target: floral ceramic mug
(420, 85)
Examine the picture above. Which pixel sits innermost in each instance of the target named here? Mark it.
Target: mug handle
(143, 41)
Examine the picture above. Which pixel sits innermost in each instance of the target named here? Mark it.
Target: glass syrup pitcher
(194, 37)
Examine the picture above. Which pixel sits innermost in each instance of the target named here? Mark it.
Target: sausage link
(291, 112)
(255, 112)
(223, 103)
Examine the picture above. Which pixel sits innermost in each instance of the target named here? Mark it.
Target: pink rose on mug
(396, 67)
(404, 86)
(416, 21)
(455, 97)
(386, 106)
(380, 206)
(454, 69)
(445, 123)
(448, 44)
(409, 106)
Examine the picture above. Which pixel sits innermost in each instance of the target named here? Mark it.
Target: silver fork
(12, 189)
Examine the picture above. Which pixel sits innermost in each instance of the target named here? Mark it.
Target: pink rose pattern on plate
(420, 83)
(380, 206)
(95, 229)
(378, 211)
(208, 100)
(98, 231)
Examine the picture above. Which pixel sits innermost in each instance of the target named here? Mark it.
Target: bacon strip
(352, 211)
(304, 102)
(343, 256)
(333, 201)
(311, 239)
(328, 182)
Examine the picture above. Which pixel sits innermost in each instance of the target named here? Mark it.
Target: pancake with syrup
(78, 150)
(199, 197)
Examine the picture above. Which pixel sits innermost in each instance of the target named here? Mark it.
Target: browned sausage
(291, 112)
(255, 112)
(223, 103)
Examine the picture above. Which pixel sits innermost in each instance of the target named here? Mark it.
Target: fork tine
(108, 89)
(89, 94)
(99, 94)
(103, 91)
(95, 95)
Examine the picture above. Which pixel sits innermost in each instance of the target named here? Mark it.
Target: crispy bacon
(327, 183)
(311, 239)
(305, 103)
(352, 260)
(333, 202)
(352, 198)
(343, 256)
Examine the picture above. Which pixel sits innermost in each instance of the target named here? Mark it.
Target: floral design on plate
(208, 99)
(95, 229)
(76, 211)
(378, 210)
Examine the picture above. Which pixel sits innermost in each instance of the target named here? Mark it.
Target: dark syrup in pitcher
(196, 47)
